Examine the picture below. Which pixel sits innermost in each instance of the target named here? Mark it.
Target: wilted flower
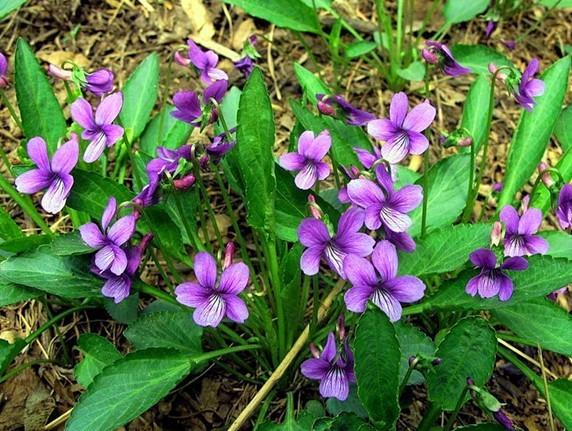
(334, 370)
(444, 57)
(118, 287)
(315, 235)
(189, 108)
(53, 176)
(214, 298)
(354, 116)
(4, 82)
(529, 87)
(520, 238)
(99, 128)
(384, 205)
(308, 159)
(380, 283)
(204, 61)
(564, 208)
(493, 280)
(402, 131)
(108, 240)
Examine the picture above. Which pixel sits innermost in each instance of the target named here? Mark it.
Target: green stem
(471, 172)
(429, 418)
(410, 369)
(210, 211)
(34, 335)
(22, 367)
(221, 352)
(455, 413)
(192, 232)
(26, 204)
(11, 110)
(415, 309)
(425, 193)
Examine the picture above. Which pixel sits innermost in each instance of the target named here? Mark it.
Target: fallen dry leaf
(199, 17)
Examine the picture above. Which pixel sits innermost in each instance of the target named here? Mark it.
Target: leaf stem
(221, 352)
(425, 193)
(34, 335)
(460, 403)
(11, 110)
(429, 418)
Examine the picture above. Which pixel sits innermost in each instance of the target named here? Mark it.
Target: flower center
(335, 257)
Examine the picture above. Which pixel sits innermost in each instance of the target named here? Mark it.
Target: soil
(118, 34)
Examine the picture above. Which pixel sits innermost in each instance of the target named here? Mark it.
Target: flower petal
(420, 117)
(119, 263)
(104, 257)
(418, 142)
(310, 260)
(234, 278)
(536, 244)
(372, 220)
(350, 222)
(33, 181)
(82, 114)
(406, 288)
(292, 161)
(330, 350)
(38, 152)
(396, 149)
(322, 170)
(211, 312)
(530, 221)
(122, 230)
(113, 133)
(314, 368)
(506, 288)
(65, 158)
(95, 149)
(407, 198)
(359, 271)
(382, 129)
(398, 108)
(384, 258)
(335, 384)
(509, 217)
(516, 263)
(356, 298)
(473, 285)
(108, 212)
(192, 294)
(305, 141)
(236, 309)
(388, 304)
(57, 193)
(205, 269)
(483, 258)
(360, 244)
(393, 219)
(117, 288)
(109, 109)
(91, 235)
(489, 284)
(365, 193)
(317, 148)
(313, 233)
(307, 177)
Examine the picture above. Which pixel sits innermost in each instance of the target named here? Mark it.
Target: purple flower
(380, 283)
(148, 194)
(244, 65)
(99, 82)
(510, 44)
(354, 116)
(437, 52)
(401, 240)
(308, 159)
(168, 160)
(492, 280)
(108, 240)
(212, 298)
(188, 107)
(118, 287)
(529, 87)
(402, 131)
(491, 27)
(367, 159)
(204, 62)
(98, 128)
(314, 234)
(520, 238)
(334, 370)
(503, 420)
(221, 144)
(4, 82)
(564, 208)
(53, 176)
(385, 206)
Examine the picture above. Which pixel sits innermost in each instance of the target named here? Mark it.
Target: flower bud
(429, 56)
(204, 161)
(497, 187)
(545, 175)
(496, 233)
(437, 361)
(59, 73)
(315, 210)
(341, 327)
(228, 255)
(493, 69)
(510, 44)
(503, 420)
(184, 183)
(314, 350)
(465, 142)
(525, 201)
(4, 82)
(180, 59)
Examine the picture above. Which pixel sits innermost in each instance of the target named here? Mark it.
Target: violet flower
(385, 206)
(490, 28)
(168, 159)
(221, 144)
(366, 158)
(493, 280)
(380, 283)
(204, 61)
(98, 128)
(520, 238)
(109, 239)
(529, 87)
(148, 194)
(354, 116)
(118, 287)
(244, 65)
(314, 234)
(212, 298)
(53, 176)
(188, 107)
(564, 208)
(503, 420)
(439, 53)
(4, 81)
(99, 82)
(334, 370)
(402, 131)
(308, 159)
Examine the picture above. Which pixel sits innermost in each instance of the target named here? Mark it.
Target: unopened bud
(470, 382)
(204, 161)
(184, 183)
(510, 44)
(494, 70)
(59, 73)
(437, 361)
(496, 233)
(180, 59)
(314, 208)
(524, 203)
(503, 420)
(465, 142)
(228, 255)
(147, 238)
(314, 350)
(497, 187)
(545, 175)
(341, 327)
(326, 109)
(429, 56)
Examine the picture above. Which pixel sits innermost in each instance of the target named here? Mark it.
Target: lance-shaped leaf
(562, 128)
(478, 57)
(477, 113)
(534, 130)
(11, 293)
(311, 84)
(98, 353)
(456, 11)
(541, 198)
(9, 6)
(164, 130)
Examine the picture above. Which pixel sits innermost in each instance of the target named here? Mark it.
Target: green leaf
(351, 405)
(311, 84)
(478, 57)
(414, 72)
(69, 244)
(543, 276)
(172, 330)
(40, 111)
(255, 140)
(127, 388)
(359, 48)
(344, 137)
(291, 276)
(448, 187)
(291, 206)
(9, 351)
(139, 97)
(91, 192)
(460, 10)
(534, 130)
(343, 422)
(523, 319)
(481, 427)
(542, 197)
(562, 129)
(66, 276)
(9, 229)
(412, 342)
(476, 111)
(468, 350)
(164, 130)
(303, 422)
(11, 293)
(98, 353)
(377, 357)
(9, 6)
(23, 244)
(126, 311)
(297, 16)
(559, 244)
(445, 249)
(556, 3)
